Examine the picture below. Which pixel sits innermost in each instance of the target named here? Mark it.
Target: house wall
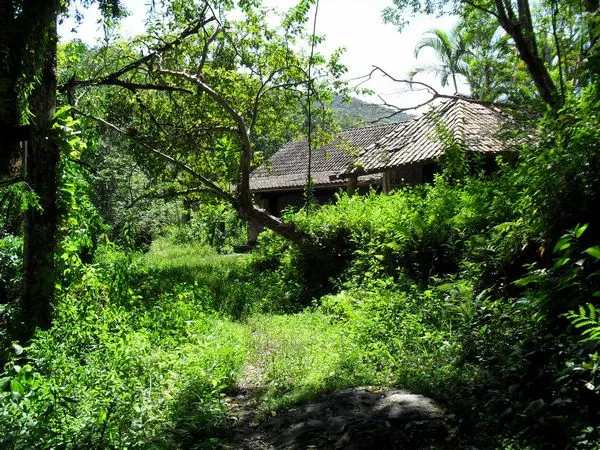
(418, 174)
(276, 202)
(408, 176)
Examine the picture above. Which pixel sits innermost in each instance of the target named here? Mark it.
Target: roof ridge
(372, 126)
(347, 130)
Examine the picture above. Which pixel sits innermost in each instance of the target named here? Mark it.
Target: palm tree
(491, 65)
(450, 50)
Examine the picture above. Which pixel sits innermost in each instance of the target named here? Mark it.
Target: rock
(351, 419)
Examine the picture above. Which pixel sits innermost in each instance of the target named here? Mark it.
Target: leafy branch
(113, 79)
(216, 190)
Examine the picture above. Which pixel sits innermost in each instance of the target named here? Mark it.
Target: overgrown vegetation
(479, 290)
(122, 370)
(461, 289)
(447, 289)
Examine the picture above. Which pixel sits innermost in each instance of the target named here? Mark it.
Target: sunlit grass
(296, 358)
(165, 254)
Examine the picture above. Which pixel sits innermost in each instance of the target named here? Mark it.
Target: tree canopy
(535, 31)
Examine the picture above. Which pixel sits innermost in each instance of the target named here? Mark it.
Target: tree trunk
(520, 28)
(186, 215)
(41, 174)
(10, 70)
(246, 208)
(260, 217)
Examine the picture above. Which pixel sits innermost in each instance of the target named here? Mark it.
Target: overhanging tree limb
(216, 190)
(233, 113)
(113, 78)
(243, 200)
(109, 81)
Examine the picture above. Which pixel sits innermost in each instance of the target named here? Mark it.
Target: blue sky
(353, 24)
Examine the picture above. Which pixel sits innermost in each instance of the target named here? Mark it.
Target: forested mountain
(358, 113)
(128, 321)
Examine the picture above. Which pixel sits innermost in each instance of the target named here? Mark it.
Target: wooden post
(352, 185)
(386, 182)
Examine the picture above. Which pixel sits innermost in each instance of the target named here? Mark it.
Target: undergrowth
(471, 290)
(120, 370)
(461, 289)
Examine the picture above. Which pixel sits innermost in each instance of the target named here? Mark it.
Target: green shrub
(11, 263)
(236, 287)
(215, 225)
(117, 370)
(453, 289)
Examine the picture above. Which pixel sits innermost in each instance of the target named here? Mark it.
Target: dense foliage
(461, 290)
(474, 291)
(479, 290)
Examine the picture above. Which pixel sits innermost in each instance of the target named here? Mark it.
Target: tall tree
(206, 96)
(517, 21)
(450, 51)
(28, 79)
(28, 43)
(489, 57)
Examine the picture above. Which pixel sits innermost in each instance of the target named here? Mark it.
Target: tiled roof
(287, 169)
(473, 125)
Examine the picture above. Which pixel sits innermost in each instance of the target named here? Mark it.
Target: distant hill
(358, 113)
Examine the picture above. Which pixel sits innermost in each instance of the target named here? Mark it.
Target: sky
(355, 25)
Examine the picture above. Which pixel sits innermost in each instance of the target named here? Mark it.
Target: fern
(588, 319)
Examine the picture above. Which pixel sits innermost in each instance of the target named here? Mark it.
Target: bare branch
(144, 108)
(218, 98)
(83, 164)
(434, 95)
(139, 86)
(410, 82)
(209, 41)
(409, 108)
(261, 91)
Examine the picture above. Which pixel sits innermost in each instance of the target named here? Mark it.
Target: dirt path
(357, 418)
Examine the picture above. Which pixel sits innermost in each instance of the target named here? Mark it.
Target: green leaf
(15, 386)
(62, 111)
(561, 262)
(594, 251)
(4, 382)
(579, 230)
(562, 244)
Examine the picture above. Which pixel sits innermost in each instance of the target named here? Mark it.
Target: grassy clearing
(377, 336)
(295, 358)
(164, 254)
(145, 348)
(190, 268)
